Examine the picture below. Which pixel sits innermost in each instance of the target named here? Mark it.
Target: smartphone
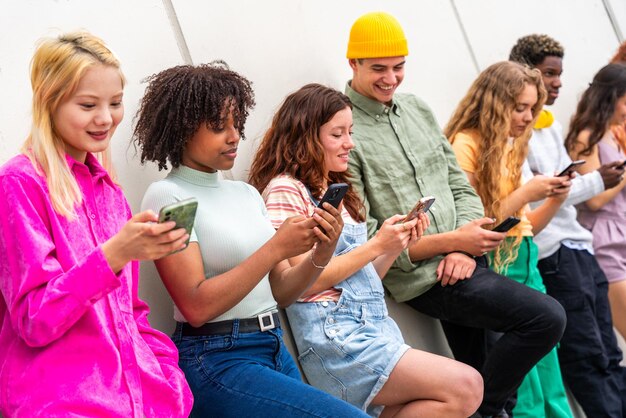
(183, 213)
(506, 224)
(570, 168)
(421, 206)
(334, 194)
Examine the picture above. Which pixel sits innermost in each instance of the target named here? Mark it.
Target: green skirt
(542, 394)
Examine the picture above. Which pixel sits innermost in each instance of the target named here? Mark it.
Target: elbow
(593, 205)
(37, 336)
(195, 320)
(197, 317)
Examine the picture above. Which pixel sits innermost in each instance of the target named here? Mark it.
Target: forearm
(383, 263)
(344, 266)
(513, 203)
(430, 246)
(45, 313)
(543, 214)
(598, 201)
(584, 187)
(212, 297)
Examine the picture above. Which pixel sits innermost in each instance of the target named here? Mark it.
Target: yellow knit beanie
(377, 35)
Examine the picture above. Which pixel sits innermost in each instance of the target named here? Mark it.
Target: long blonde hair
(485, 112)
(56, 70)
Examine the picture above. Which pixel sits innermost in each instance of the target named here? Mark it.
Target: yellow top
(465, 147)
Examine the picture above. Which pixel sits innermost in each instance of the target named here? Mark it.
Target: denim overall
(350, 347)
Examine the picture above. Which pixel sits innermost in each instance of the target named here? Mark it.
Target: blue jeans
(531, 322)
(588, 353)
(250, 375)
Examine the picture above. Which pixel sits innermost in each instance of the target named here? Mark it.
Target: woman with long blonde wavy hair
(489, 132)
(74, 336)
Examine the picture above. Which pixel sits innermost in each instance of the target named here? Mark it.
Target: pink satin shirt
(74, 336)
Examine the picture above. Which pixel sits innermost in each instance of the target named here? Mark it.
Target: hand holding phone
(334, 195)
(506, 224)
(183, 213)
(570, 168)
(622, 165)
(421, 206)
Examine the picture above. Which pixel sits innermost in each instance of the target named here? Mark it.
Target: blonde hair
(485, 112)
(56, 70)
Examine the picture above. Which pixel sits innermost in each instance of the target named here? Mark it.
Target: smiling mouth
(100, 135)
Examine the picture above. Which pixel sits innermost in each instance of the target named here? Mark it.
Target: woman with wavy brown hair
(591, 138)
(348, 344)
(489, 132)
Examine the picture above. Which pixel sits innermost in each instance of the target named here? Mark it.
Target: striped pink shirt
(284, 197)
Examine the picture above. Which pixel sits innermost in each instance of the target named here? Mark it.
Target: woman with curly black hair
(228, 283)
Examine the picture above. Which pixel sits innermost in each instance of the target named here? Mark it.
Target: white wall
(281, 45)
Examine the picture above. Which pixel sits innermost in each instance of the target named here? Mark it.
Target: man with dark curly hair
(588, 353)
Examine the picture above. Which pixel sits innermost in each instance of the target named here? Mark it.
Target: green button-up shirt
(400, 156)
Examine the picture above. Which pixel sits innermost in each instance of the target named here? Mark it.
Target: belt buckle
(262, 325)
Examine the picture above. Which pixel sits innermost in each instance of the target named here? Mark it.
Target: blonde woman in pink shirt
(74, 336)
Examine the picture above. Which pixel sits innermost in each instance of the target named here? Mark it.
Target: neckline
(196, 177)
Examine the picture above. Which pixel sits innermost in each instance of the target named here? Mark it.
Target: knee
(468, 392)
(551, 319)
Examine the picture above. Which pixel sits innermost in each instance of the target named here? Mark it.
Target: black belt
(263, 322)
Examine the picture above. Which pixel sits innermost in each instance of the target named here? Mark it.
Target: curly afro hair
(178, 100)
(533, 49)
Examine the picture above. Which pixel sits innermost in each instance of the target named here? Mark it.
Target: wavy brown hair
(596, 108)
(292, 144)
(485, 112)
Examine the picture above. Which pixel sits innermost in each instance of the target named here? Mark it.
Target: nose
(103, 117)
(528, 116)
(234, 136)
(349, 143)
(390, 77)
(556, 83)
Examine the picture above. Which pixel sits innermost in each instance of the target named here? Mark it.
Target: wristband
(313, 262)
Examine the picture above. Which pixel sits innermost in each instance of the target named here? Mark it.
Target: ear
(352, 63)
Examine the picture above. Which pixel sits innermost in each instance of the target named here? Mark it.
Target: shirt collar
(91, 165)
(373, 108)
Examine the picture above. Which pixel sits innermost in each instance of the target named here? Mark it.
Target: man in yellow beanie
(401, 155)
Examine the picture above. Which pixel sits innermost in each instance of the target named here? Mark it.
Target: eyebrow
(385, 66)
(94, 96)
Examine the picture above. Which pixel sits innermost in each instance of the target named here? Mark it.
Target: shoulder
(162, 193)
(20, 170)
(467, 139)
(285, 184)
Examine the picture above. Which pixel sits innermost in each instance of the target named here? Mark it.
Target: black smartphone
(183, 213)
(422, 205)
(334, 194)
(570, 168)
(506, 224)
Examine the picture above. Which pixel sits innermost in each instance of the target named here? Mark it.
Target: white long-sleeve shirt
(547, 155)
